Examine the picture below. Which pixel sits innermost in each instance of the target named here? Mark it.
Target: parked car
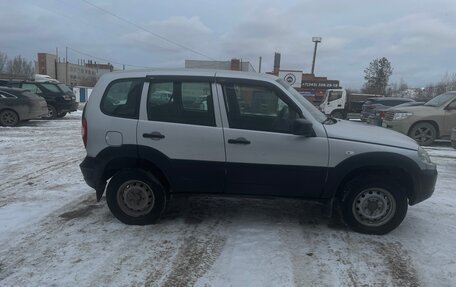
(377, 118)
(60, 99)
(426, 123)
(255, 136)
(373, 104)
(18, 105)
(453, 138)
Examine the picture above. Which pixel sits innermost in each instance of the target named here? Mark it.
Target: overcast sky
(418, 37)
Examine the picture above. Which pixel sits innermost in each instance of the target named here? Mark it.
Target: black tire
(424, 133)
(9, 118)
(61, 115)
(385, 200)
(135, 197)
(338, 115)
(52, 113)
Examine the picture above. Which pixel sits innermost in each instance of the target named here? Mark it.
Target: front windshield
(440, 99)
(64, 88)
(319, 116)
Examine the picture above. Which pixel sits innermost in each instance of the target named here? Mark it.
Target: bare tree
(19, 66)
(3, 59)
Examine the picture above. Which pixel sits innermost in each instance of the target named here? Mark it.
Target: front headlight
(401, 115)
(424, 156)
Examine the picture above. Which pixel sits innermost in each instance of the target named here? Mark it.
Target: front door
(450, 118)
(180, 131)
(263, 156)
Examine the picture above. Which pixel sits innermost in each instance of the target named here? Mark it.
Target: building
(233, 64)
(81, 74)
(310, 86)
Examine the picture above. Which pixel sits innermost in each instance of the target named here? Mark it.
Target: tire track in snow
(198, 251)
(36, 174)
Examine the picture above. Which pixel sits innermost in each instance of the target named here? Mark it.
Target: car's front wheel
(374, 205)
(135, 197)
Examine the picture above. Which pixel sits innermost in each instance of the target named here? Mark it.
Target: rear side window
(121, 98)
(184, 102)
(52, 88)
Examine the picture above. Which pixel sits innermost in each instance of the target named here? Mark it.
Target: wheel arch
(432, 122)
(394, 166)
(14, 111)
(115, 159)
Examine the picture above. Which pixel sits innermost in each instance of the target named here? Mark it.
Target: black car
(372, 105)
(60, 99)
(18, 105)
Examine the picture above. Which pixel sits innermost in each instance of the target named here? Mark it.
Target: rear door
(263, 156)
(180, 130)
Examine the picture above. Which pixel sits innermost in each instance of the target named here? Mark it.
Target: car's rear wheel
(9, 118)
(374, 205)
(135, 197)
(424, 133)
(52, 113)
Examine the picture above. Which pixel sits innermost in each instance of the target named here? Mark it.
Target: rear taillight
(84, 131)
(382, 115)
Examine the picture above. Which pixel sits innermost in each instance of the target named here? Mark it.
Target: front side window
(121, 98)
(258, 108)
(185, 102)
(334, 95)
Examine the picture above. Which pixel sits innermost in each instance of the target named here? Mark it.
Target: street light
(316, 40)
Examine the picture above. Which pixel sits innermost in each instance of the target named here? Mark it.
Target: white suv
(156, 133)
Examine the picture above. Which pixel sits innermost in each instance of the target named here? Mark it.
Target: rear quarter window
(122, 97)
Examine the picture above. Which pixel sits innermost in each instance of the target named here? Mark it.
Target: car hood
(361, 132)
(416, 109)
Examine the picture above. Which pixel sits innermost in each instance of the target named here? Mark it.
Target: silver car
(254, 135)
(426, 123)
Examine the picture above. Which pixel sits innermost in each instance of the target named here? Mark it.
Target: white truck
(341, 104)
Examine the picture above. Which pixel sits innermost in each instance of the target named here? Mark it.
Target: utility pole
(316, 40)
(56, 64)
(259, 65)
(66, 65)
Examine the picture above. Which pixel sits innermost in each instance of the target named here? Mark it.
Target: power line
(146, 30)
(105, 59)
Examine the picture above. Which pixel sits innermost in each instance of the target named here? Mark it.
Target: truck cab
(334, 103)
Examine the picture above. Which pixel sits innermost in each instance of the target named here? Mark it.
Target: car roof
(9, 89)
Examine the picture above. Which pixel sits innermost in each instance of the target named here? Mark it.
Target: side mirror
(302, 127)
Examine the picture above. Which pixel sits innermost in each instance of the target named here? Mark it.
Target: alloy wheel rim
(8, 118)
(374, 207)
(423, 134)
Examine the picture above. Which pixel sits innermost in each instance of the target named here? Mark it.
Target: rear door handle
(153, 135)
(238, 141)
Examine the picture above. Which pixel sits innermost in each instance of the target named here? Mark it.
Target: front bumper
(424, 185)
(399, 126)
(67, 106)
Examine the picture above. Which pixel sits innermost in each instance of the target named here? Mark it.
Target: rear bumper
(66, 107)
(92, 173)
(424, 186)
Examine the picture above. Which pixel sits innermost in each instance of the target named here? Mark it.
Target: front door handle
(238, 141)
(153, 135)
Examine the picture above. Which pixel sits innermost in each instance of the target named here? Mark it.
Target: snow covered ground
(54, 233)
